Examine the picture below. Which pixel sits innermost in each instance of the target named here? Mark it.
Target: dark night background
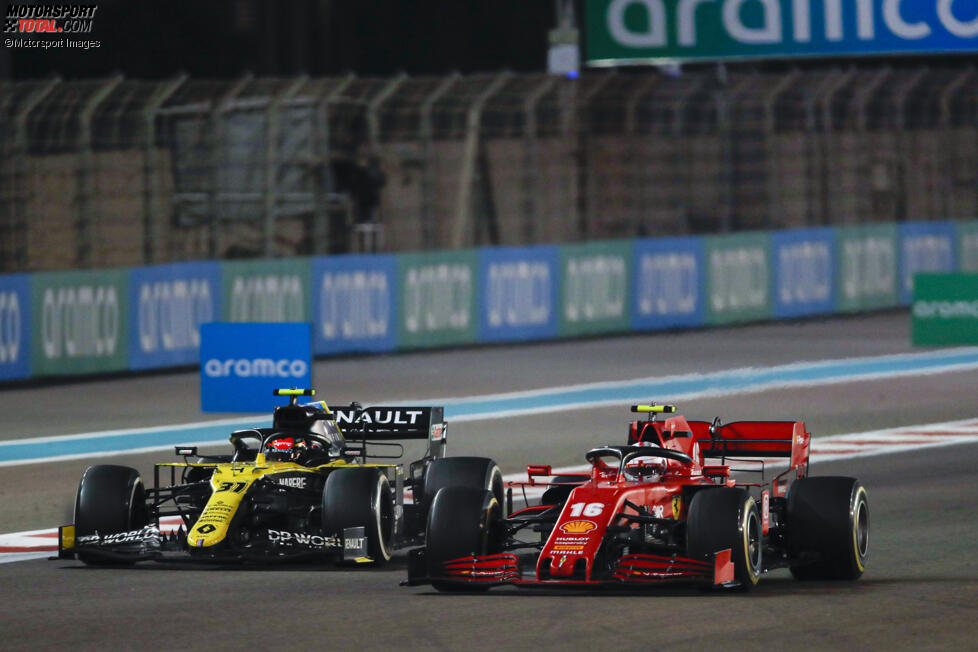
(225, 38)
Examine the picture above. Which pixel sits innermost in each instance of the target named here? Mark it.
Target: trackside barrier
(595, 287)
(519, 293)
(668, 285)
(438, 295)
(167, 306)
(15, 330)
(98, 321)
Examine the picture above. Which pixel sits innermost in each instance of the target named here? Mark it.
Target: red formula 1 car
(654, 511)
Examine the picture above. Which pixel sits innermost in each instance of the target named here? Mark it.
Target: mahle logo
(256, 368)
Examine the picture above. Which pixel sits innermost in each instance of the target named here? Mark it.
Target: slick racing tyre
(725, 518)
(462, 522)
(110, 499)
(475, 472)
(361, 497)
(828, 523)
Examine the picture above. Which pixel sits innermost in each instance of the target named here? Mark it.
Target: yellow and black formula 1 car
(301, 489)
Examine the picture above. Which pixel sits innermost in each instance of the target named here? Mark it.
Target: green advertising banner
(654, 31)
(967, 236)
(81, 323)
(945, 309)
(739, 278)
(438, 298)
(266, 290)
(595, 287)
(868, 267)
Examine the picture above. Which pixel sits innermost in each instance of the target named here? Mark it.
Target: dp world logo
(242, 363)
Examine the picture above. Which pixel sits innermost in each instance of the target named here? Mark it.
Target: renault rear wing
(386, 423)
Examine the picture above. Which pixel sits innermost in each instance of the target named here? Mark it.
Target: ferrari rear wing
(753, 439)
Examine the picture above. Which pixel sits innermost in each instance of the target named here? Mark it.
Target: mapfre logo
(578, 527)
(256, 368)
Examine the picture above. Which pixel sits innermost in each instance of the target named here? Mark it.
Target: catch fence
(117, 172)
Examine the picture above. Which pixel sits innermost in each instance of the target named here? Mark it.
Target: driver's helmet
(645, 467)
(291, 449)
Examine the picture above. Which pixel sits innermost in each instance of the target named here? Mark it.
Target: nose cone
(569, 567)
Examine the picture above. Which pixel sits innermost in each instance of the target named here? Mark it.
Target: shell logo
(578, 527)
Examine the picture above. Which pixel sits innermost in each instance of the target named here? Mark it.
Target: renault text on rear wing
(392, 422)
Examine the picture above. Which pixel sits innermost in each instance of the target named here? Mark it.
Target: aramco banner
(945, 310)
(241, 364)
(644, 31)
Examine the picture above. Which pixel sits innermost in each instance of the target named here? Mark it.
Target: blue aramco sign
(240, 364)
(15, 307)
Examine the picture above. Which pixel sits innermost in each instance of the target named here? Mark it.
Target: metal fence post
(684, 159)
(902, 162)
(427, 172)
(272, 161)
(770, 134)
(373, 108)
(814, 145)
(864, 167)
(473, 124)
(86, 170)
(163, 92)
(725, 136)
(322, 184)
(830, 90)
(583, 145)
(635, 167)
(949, 141)
(531, 171)
(21, 165)
(217, 141)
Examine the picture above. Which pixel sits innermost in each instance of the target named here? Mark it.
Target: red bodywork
(573, 548)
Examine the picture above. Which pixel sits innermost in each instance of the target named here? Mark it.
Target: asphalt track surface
(920, 590)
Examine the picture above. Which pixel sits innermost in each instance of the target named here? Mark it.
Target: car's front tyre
(462, 522)
(725, 518)
(361, 497)
(110, 499)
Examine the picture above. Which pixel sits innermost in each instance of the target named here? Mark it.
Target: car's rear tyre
(828, 519)
(361, 497)
(462, 522)
(725, 518)
(474, 472)
(110, 499)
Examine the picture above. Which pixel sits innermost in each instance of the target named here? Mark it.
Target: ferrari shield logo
(677, 506)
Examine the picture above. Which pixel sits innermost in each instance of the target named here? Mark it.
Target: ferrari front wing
(630, 570)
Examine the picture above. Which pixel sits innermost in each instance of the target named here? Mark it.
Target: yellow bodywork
(229, 484)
